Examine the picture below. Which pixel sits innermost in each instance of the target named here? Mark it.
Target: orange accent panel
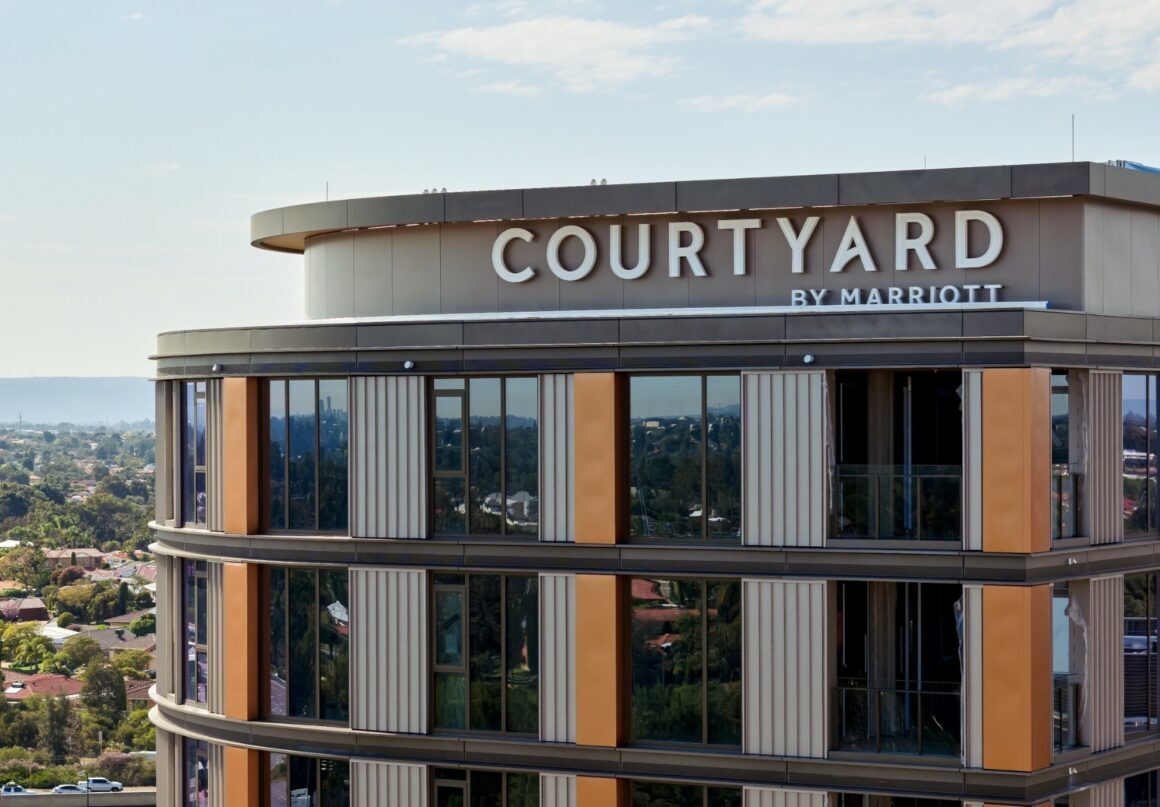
(242, 778)
(600, 689)
(240, 640)
(598, 450)
(1016, 460)
(240, 455)
(595, 791)
(1016, 677)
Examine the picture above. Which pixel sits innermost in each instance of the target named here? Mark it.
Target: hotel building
(797, 491)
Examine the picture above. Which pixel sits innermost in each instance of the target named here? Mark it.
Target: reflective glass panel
(277, 704)
(665, 483)
(449, 628)
(723, 662)
(279, 781)
(522, 632)
(303, 782)
(302, 471)
(486, 652)
(486, 789)
(188, 453)
(450, 700)
(1139, 457)
(449, 506)
(723, 456)
(334, 787)
(333, 641)
(486, 502)
(277, 460)
(521, 455)
(1140, 653)
(302, 643)
(523, 790)
(448, 433)
(666, 660)
(333, 428)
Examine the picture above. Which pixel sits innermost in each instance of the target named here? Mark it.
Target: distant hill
(83, 401)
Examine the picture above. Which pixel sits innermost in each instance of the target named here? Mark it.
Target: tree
(143, 625)
(26, 564)
(15, 500)
(80, 651)
(136, 732)
(132, 663)
(55, 725)
(24, 646)
(104, 693)
(76, 598)
(66, 575)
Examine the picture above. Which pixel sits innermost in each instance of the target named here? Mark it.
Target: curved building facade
(782, 491)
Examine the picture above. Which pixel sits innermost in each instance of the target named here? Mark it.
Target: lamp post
(85, 774)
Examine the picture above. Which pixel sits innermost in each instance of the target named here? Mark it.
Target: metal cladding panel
(1107, 794)
(214, 456)
(779, 797)
(387, 784)
(972, 654)
(1104, 694)
(165, 607)
(557, 790)
(556, 489)
(175, 441)
(216, 763)
(164, 464)
(973, 460)
(1105, 460)
(558, 658)
(388, 627)
(215, 593)
(167, 795)
(784, 675)
(389, 457)
(783, 417)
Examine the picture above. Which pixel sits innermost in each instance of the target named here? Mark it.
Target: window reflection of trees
(669, 794)
(686, 661)
(455, 787)
(294, 781)
(1140, 416)
(685, 456)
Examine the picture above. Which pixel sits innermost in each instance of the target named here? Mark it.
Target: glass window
(494, 686)
(1066, 645)
(686, 661)
(1064, 471)
(306, 475)
(196, 631)
(1142, 789)
(453, 787)
(308, 643)
(685, 457)
(1140, 447)
(294, 781)
(1141, 660)
(196, 773)
(898, 667)
(670, 794)
(486, 478)
(193, 462)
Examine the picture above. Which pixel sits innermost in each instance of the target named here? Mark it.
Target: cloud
(509, 88)
(161, 169)
(136, 16)
(583, 55)
(1146, 78)
(1025, 87)
(739, 103)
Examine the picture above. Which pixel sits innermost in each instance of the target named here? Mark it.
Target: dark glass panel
(448, 433)
(450, 700)
(724, 797)
(449, 506)
(1153, 447)
(199, 509)
(449, 384)
(279, 781)
(202, 616)
(486, 504)
(303, 459)
(335, 783)
(523, 654)
(333, 645)
(666, 660)
(1138, 454)
(486, 789)
(665, 471)
(1059, 419)
(523, 790)
(202, 667)
(188, 454)
(333, 430)
(521, 455)
(277, 482)
(485, 652)
(667, 794)
(199, 418)
(723, 662)
(1142, 789)
(1140, 653)
(723, 456)
(190, 620)
(303, 782)
(445, 579)
(448, 795)
(303, 643)
(277, 704)
(449, 628)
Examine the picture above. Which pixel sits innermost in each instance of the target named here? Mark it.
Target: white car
(99, 784)
(13, 789)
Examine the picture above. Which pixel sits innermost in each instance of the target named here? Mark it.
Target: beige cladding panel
(388, 646)
(164, 464)
(784, 673)
(167, 771)
(389, 457)
(1105, 484)
(557, 658)
(780, 797)
(214, 454)
(1107, 794)
(972, 460)
(166, 604)
(216, 763)
(447, 269)
(783, 417)
(1104, 695)
(557, 790)
(215, 629)
(387, 784)
(557, 505)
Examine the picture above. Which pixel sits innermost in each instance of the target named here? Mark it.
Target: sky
(137, 138)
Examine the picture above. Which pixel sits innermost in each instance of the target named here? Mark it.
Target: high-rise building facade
(751, 492)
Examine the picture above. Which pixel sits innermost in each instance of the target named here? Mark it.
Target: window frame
(630, 728)
(266, 780)
(463, 394)
(439, 778)
(464, 589)
(200, 604)
(1151, 653)
(705, 537)
(266, 461)
(196, 752)
(193, 392)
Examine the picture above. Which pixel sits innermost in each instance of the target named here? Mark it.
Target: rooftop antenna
(924, 162)
(1073, 137)
(328, 190)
